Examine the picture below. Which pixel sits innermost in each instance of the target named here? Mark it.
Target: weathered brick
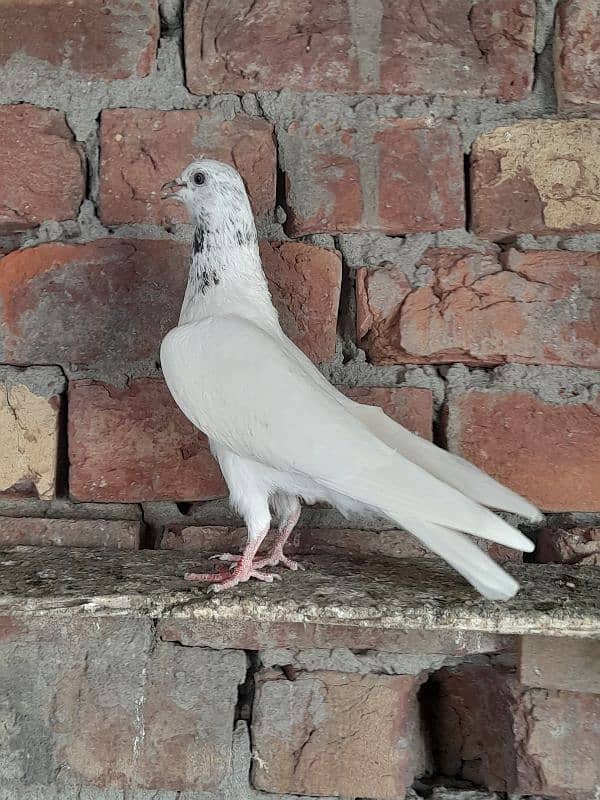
(114, 534)
(305, 284)
(408, 405)
(538, 176)
(365, 544)
(29, 428)
(141, 149)
(395, 48)
(37, 143)
(491, 731)
(571, 546)
(336, 733)
(549, 662)
(99, 703)
(134, 444)
(114, 286)
(84, 37)
(537, 448)
(248, 635)
(577, 56)
(188, 716)
(392, 175)
(536, 307)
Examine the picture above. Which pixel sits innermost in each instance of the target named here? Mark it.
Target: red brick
(37, 143)
(361, 544)
(491, 731)
(114, 534)
(564, 663)
(539, 449)
(115, 286)
(393, 175)
(140, 150)
(408, 405)
(305, 284)
(537, 176)
(537, 307)
(334, 733)
(577, 56)
(134, 444)
(84, 37)
(572, 546)
(396, 49)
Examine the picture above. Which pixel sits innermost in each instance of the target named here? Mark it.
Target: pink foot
(229, 576)
(277, 557)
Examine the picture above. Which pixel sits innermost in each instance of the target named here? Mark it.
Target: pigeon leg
(243, 570)
(276, 556)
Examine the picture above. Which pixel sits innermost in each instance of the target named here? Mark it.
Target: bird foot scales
(240, 568)
(227, 578)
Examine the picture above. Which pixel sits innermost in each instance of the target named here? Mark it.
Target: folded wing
(245, 391)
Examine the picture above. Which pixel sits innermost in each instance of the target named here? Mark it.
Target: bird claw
(279, 558)
(241, 577)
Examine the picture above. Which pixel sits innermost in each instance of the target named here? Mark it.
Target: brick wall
(426, 181)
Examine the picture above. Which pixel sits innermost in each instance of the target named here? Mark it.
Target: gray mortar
(45, 382)
(557, 385)
(62, 508)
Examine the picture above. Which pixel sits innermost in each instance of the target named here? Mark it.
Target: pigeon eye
(198, 178)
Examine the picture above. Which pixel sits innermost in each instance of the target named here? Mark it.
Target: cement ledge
(391, 594)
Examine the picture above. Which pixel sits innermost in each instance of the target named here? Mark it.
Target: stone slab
(555, 600)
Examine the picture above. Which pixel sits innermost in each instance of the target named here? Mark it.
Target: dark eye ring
(198, 178)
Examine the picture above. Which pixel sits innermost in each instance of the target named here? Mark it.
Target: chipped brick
(539, 177)
(536, 307)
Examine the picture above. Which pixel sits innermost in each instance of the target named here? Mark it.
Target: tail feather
(466, 557)
(453, 470)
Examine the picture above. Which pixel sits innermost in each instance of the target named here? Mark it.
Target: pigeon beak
(170, 189)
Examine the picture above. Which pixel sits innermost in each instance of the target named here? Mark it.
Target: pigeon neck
(226, 278)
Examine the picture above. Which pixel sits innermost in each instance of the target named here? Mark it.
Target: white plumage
(282, 433)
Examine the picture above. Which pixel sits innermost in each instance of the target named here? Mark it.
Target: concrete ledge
(397, 594)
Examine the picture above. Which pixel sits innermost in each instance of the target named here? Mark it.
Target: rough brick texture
(536, 307)
(29, 413)
(391, 47)
(305, 284)
(141, 150)
(538, 177)
(577, 56)
(539, 449)
(37, 143)
(335, 733)
(361, 544)
(565, 663)
(105, 706)
(134, 444)
(408, 405)
(347, 180)
(115, 286)
(572, 546)
(225, 633)
(83, 37)
(492, 731)
(114, 534)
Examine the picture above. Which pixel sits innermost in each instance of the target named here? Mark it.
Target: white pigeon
(281, 433)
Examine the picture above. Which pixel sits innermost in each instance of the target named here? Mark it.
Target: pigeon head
(213, 193)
